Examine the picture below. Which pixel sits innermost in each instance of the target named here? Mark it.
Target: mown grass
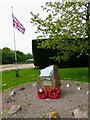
(9, 78)
(75, 74)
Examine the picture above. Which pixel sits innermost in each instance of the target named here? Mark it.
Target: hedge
(42, 58)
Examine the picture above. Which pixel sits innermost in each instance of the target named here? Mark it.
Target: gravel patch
(33, 107)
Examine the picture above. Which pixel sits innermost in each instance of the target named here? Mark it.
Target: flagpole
(17, 73)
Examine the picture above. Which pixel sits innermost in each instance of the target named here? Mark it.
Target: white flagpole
(17, 73)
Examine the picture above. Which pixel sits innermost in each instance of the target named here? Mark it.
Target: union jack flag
(17, 24)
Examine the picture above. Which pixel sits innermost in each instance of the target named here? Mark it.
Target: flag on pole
(18, 25)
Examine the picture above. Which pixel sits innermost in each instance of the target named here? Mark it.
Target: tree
(7, 56)
(20, 56)
(23, 57)
(66, 28)
(28, 56)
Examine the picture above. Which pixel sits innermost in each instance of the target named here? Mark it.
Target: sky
(21, 10)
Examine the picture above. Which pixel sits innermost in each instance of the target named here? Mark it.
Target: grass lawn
(75, 74)
(9, 78)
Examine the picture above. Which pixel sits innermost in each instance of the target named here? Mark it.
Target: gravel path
(13, 66)
(33, 107)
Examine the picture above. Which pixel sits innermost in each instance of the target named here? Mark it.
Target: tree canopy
(65, 27)
(8, 56)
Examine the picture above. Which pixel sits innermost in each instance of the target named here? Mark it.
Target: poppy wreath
(54, 93)
(42, 93)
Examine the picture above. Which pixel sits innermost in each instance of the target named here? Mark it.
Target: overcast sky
(21, 10)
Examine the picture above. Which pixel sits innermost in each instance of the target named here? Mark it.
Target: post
(17, 73)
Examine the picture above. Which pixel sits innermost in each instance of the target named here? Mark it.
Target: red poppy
(42, 93)
(54, 93)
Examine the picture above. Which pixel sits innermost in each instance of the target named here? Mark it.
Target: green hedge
(42, 58)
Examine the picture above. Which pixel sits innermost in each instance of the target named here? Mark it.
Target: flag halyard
(18, 25)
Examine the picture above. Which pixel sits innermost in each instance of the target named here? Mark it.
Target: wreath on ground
(53, 93)
(42, 93)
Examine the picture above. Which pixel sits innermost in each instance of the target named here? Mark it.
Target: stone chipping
(33, 107)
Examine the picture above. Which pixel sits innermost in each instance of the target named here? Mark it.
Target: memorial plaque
(53, 80)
